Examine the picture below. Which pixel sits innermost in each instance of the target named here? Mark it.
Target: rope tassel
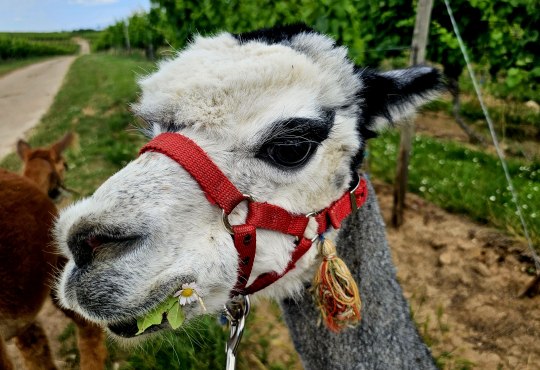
(335, 291)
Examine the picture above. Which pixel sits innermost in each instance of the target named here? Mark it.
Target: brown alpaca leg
(90, 338)
(35, 349)
(91, 341)
(5, 362)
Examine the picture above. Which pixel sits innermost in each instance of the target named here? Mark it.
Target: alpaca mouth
(129, 329)
(170, 313)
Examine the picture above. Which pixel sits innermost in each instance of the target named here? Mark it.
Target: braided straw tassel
(335, 291)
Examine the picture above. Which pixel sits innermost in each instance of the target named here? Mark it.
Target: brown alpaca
(28, 259)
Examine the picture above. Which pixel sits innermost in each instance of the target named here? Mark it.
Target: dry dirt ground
(462, 281)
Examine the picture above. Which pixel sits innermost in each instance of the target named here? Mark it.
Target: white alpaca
(284, 114)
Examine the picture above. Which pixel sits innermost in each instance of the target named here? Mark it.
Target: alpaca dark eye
(290, 143)
(290, 154)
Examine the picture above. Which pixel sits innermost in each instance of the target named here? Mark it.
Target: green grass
(39, 36)
(465, 181)
(8, 66)
(69, 352)
(201, 345)
(198, 346)
(512, 119)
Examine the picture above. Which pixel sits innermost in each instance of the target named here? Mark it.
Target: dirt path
(27, 93)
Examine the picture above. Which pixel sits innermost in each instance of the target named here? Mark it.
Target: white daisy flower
(188, 294)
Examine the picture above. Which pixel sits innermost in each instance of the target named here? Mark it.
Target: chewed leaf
(152, 318)
(175, 316)
(168, 303)
(155, 316)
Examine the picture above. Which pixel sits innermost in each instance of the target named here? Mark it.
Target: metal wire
(498, 149)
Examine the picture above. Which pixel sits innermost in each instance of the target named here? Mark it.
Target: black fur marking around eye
(316, 130)
(291, 143)
(274, 35)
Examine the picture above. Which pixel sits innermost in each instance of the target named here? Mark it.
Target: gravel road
(27, 93)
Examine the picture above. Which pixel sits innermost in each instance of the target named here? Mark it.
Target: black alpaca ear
(387, 97)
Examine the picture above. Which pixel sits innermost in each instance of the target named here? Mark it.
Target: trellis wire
(500, 153)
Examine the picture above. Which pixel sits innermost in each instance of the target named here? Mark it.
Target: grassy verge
(512, 119)
(464, 181)
(8, 66)
(93, 103)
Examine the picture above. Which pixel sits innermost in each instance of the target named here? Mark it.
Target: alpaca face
(284, 115)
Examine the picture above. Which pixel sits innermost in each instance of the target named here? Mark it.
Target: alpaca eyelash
(312, 130)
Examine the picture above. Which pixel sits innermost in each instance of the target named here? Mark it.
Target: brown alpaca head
(46, 166)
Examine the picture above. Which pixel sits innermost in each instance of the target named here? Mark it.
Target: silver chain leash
(236, 312)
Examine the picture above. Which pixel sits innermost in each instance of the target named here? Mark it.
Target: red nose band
(220, 191)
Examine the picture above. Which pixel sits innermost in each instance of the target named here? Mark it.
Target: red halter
(221, 192)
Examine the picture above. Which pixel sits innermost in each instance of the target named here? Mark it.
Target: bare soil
(463, 281)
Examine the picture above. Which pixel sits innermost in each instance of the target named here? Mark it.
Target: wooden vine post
(418, 54)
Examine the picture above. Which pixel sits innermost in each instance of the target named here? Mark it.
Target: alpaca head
(283, 113)
(46, 166)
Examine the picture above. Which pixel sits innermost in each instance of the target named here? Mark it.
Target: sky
(64, 15)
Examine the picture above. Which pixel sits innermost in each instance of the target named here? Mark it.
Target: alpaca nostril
(93, 242)
(82, 246)
(84, 242)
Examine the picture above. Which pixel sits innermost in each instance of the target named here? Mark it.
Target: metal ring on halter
(312, 214)
(225, 216)
(354, 205)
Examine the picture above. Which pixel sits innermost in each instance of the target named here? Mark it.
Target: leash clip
(236, 313)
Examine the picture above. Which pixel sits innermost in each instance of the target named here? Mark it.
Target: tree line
(502, 36)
